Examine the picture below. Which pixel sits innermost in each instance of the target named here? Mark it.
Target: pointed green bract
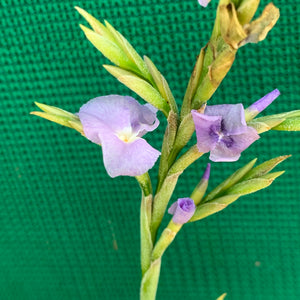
(110, 50)
(272, 176)
(230, 181)
(167, 146)
(249, 186)
(192, 85)
(150, 281)
(97, 26)
(291, 124)
(161, 84)
(267, 125)
(141, 87)
(58, 116)
(222, 297)
(265, 167)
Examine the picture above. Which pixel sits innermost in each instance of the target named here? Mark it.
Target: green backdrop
(67, 230)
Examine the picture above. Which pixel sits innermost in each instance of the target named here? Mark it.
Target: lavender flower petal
(127, 159)
(233, 117)
(182, 210)
(230, 147)
(203, 3)
(117, 123)
(207, 128)
(264, 102)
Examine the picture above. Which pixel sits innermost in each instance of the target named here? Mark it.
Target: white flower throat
(127, 135)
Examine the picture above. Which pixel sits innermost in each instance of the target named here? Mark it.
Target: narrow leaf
(265, 167)
(290, 124)
(146, 240)
(249, 186)
(206, 209)
(214, 206)
(109, 49)
(141, 87)
(56, 111)
(161, 84)
(222, 297)
(150, 281)
(97, 26)
(56, 119)
(230, 181)
(272, 176)
(129, 51)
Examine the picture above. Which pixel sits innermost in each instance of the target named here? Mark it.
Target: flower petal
(127, 159)
(116, 113)
(206, 128)
(233, 117)
(229, 148)
(203, 3)
(182, 210)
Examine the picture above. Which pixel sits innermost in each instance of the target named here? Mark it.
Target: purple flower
(223, 131)
(117, 123)
(182, 210)
(258, 106)
(203, 3)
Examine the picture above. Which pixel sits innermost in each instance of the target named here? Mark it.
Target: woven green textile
(67, 230)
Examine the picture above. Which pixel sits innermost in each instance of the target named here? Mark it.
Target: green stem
(145, 221)
(150, 281)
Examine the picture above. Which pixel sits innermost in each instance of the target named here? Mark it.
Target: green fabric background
(67, 230)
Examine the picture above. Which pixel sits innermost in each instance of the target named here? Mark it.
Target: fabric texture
(69, 231)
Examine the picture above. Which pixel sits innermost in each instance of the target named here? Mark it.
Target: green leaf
(261, 127)
(161, 84)
(97, 26)
(185, 160)
(150, 281)
(206, 209)
(230, 181)
(58, 116)
(146, 240)
(167, 146)
(273, 176)
(141, 87)
(129, 51)
(192, 85)
(265, 167)
(249, 186)
(56, 111)
(290, 124)
(222, 297)
(109, 49)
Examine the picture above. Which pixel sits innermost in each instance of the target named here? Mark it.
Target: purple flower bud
(182, 210)
(117, 123)
(223, 131)
(206, 172)
(262, 103)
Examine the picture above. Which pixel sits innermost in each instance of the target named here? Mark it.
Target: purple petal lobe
(127, 159)
(231, 150)
(182, 210)
(207, 128)
(233, 117)
(264, 102)
(118, 123)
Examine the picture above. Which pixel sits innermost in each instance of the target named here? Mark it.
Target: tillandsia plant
(118, 123)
